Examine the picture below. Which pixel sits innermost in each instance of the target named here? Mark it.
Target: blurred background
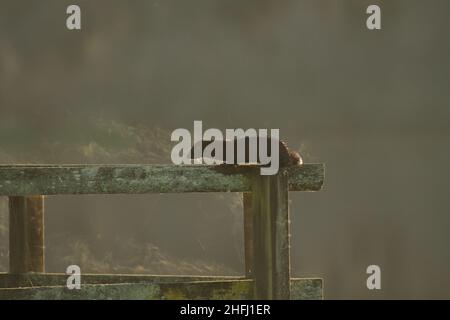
(372, 105)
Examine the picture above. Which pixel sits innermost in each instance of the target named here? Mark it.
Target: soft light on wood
(24, 180)
(271, 262)
(26, 234)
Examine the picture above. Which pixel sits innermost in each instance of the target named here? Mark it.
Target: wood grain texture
(248, 233)
(271, 262)
(23, 180)
(204, 290)
(26, 234)
(8, 280)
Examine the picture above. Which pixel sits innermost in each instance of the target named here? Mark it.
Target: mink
(287, 157)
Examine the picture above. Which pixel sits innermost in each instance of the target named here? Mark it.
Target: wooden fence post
(26, 234)
(248, 234)
(271, 263)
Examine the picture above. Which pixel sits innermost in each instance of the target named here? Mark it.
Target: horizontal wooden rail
(9, 280)
(24, 180)
(222, 289)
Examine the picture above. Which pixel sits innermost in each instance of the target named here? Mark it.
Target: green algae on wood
(135, 291)
(216, 290)
(22, 180)
(306, 289)
(8, 280)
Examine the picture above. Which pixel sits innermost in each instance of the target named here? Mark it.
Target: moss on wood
(217, 290)
(134, 179)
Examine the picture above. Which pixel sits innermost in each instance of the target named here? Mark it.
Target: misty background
(372, 105)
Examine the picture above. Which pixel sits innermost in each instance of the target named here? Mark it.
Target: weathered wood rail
(266, 229)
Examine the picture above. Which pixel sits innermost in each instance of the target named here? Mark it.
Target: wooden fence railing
(266, 230)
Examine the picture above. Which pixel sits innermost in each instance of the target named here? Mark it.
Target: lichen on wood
(32, 279)
(215, 290)
(22, 180)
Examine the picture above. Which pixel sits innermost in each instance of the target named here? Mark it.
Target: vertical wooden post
(248, 234)
(26, 234)
(271, 262)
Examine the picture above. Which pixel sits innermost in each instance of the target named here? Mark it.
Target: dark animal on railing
(287, 157)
